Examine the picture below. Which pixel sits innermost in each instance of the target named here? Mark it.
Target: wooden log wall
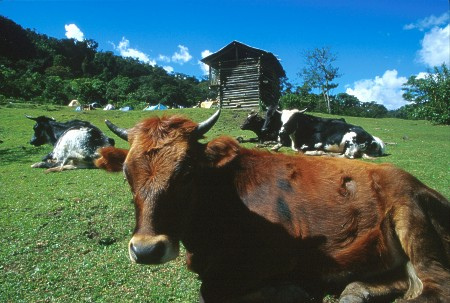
(270, 90)
(246, 82)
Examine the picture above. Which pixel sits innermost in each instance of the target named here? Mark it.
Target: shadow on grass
(22, 154)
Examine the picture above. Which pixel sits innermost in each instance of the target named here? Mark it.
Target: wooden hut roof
(237, 50)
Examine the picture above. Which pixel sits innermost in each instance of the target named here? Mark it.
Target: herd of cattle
(313, 135)
(76, 142)
(259, 226)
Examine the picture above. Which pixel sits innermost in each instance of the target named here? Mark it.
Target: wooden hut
(243, 76)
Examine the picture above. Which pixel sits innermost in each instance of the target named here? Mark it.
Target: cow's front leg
(359, 292)
(45, 164)
(277, 147)
(49, 156)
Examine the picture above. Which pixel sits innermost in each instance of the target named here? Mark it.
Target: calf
(264, 227)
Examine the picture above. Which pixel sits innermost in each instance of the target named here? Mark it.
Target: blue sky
(379, 44)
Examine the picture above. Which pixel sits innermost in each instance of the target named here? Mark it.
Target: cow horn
(120, 132)
(31, 118)
(304, 110)
(206, 125)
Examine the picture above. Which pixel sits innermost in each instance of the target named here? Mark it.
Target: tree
(55, 90)
(345, 104)
(373, 110)
(8, 85)
(302, 98)
(430, 94)
(299, 101)
(88, 90)
(319, 72)
(118, 89)
(30, 85)
(15, 44)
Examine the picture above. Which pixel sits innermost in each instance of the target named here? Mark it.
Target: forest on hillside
(42, 69)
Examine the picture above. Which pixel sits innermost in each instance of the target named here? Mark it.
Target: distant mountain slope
(38, 68)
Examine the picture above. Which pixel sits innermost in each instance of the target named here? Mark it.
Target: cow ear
(221, 151)
(111, 158)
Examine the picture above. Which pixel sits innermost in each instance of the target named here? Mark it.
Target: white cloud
(204, 67)
(428, 22)
(387, 89)
(168, 69)
(384, 90)
(73, 32)
(164, 58)
(206, 53)
(125, 51)
(182, 56)
(435, 47)
(422, 75)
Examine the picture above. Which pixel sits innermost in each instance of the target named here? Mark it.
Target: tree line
(41, 69)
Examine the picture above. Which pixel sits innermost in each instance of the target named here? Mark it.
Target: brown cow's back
(336, 213)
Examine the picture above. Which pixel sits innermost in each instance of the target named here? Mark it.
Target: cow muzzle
(34, 141)
(145, 249)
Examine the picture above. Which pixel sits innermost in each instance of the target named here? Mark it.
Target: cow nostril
(147, 254)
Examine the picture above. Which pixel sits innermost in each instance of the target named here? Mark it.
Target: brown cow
(263, 227)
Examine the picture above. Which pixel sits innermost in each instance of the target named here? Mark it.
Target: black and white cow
(272, 123)
(254, 122)
(315, 135)
(75, 143)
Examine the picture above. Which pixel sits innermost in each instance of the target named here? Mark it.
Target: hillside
(42, 69)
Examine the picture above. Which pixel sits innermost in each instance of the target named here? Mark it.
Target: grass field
(64, 236)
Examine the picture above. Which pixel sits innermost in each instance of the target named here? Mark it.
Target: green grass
(64, 236)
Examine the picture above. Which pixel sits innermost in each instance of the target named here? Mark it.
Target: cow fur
(309, 133)
(76, 148)
(264, 227)
(75, 143)
(254, 122)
